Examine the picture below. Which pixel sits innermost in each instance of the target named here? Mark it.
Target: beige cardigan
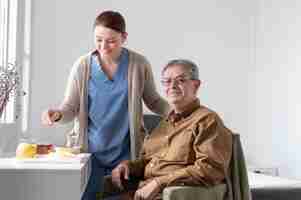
(140, 86)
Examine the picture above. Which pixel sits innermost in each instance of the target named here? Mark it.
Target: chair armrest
(195, 192)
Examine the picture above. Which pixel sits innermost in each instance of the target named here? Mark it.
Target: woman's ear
(124, 36)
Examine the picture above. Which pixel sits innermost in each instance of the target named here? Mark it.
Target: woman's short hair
(190, 66)
(111, 19)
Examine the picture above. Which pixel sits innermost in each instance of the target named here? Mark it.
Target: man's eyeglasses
(179, 80)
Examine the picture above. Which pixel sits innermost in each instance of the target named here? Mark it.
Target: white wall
(274, 85)
(246, 51)
(212, 33)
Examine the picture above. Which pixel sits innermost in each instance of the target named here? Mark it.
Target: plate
(53, 158)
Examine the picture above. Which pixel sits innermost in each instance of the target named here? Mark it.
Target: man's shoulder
(205, 117)
(204, 112)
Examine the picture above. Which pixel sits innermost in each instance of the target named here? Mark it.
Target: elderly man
(191, 146)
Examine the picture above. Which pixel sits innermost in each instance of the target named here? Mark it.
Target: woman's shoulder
(84, 58)
(81, 64)
(83, 61)
(137, 57)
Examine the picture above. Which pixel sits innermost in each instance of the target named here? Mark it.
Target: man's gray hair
(190, 66)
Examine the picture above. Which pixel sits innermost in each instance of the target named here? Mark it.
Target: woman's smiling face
(108, 42)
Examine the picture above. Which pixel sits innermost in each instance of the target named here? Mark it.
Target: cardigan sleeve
(71, 102)
(150, 96)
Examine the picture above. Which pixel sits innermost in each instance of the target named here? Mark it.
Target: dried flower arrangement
(9, 80)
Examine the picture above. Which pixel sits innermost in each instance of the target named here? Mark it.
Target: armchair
(235, 188)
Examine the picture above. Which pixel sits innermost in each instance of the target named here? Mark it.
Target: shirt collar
(94, 52)
(190, 108)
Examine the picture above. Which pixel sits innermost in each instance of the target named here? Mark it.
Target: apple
(26, 150)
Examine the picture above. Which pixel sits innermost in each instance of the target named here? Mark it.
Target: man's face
(179, 89)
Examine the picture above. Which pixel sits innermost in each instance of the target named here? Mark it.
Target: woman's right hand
(50, 116)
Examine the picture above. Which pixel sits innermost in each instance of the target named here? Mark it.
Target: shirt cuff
(163, 181)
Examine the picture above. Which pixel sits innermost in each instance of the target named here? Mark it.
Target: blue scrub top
(108, 117)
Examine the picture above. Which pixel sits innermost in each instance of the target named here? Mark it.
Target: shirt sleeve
(137, 167)
(213, 148)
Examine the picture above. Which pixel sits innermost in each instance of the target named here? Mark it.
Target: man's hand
(120, 172)
(50, 116)
(147, 192)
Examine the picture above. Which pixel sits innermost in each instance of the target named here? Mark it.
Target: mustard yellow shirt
(191, 148)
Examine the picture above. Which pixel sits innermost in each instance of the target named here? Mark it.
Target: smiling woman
(104, 95)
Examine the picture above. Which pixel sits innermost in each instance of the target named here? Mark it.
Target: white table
(42, 181)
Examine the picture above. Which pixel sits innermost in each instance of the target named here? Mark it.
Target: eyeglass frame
(179, 80)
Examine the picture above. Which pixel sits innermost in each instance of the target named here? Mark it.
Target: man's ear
(197, 84)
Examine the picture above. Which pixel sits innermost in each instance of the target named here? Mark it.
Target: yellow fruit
(64, 152)
(26, 150)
